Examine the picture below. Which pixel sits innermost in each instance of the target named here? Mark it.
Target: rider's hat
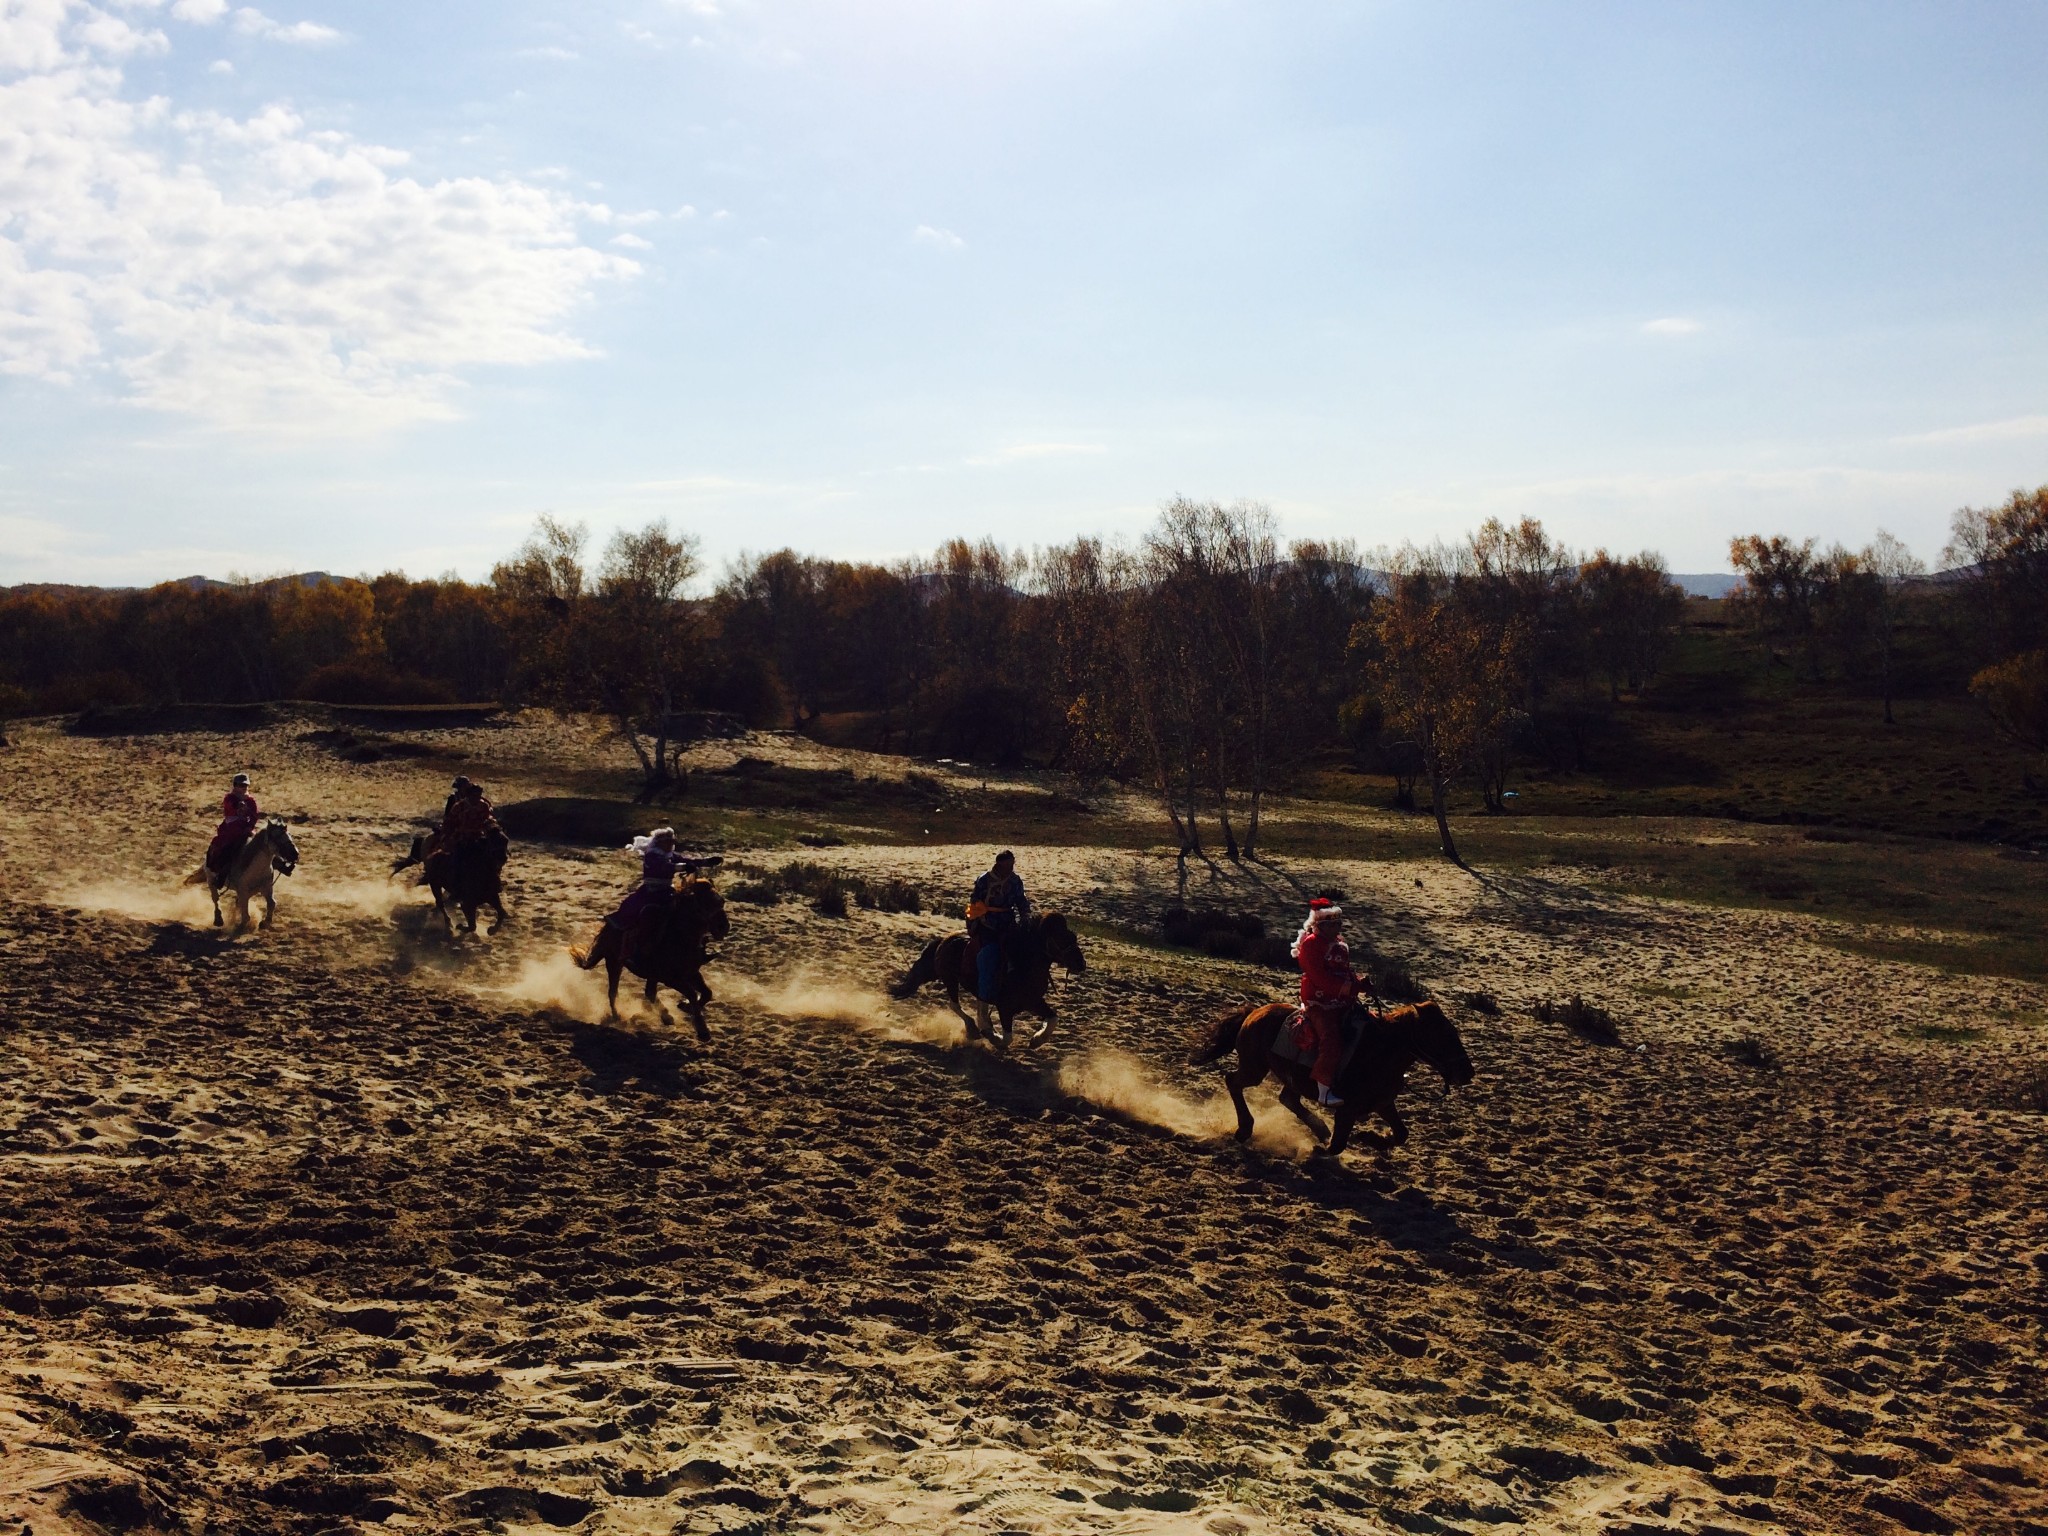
(239, 779)
(660, 832)
(1006, 854)
(461, 781)
(1322, 909)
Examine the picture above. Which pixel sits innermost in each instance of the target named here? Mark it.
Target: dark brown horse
(1041, 942)
(671, 955)
(471, 875)
(1368, 1083)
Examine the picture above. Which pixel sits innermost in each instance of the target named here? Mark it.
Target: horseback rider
(469, 825)
(641, 913)
(995, 910)
(239, 820)
(1329, 991)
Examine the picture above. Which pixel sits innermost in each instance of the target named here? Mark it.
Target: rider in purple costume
(660, 863)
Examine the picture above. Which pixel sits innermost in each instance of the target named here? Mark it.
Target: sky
(353, 285)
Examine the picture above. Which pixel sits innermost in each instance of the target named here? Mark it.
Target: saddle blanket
(1284, 1048)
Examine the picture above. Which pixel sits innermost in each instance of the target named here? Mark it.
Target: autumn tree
(1444, 680)
(1631, 610)
(1780, 585)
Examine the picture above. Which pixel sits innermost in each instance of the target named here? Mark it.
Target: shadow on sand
(623, 1061)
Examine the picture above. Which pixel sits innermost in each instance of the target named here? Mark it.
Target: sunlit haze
(367, 286)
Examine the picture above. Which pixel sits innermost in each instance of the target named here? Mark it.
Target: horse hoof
(219, 921)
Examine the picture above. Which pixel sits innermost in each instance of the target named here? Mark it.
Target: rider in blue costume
(995, 911)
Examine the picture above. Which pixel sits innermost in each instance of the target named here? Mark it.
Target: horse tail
(1213, 1042)
(926, 968)
(589, 954)
(197, 877)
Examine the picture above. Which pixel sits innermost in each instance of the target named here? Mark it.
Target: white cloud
(635, 33)
(220, 67)
(253, 22)
(203, 13)
(1672, 325)
(549, 51)
(1020, 451)
(255, 273)
(2011, 429)
(632, 242)
(942, 239)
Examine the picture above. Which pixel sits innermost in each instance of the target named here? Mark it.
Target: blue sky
(361, 286)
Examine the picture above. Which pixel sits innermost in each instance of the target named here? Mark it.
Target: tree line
(1207, 661)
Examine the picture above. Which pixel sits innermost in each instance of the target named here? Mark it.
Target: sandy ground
(348, 1225)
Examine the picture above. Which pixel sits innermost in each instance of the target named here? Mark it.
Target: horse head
(706, 907)
(284, 853)
(1059, 943)
(1435, 1040)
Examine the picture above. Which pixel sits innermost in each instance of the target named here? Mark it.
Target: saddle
(1352, 1028)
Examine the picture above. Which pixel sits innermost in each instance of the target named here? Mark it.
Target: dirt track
(347, 1225)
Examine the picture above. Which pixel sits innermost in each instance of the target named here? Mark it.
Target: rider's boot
(1327, 1097)
(983, 1027)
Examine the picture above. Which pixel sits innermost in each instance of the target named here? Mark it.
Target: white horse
(252, 871)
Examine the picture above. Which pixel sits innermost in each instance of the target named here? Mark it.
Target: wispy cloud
(549, 51)
(1023, 451)
(939, 239)
(311, 34)
(1672, 325)
(2011, 429)
(632, 242)
(258, 272)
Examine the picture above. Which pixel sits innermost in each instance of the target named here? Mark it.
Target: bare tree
(1892, 567)
(1444, 680)
(650, 642)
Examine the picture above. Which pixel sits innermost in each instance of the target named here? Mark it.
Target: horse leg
(953, 1002)
(611, 992)
(440, 906)
(214, 891)
(1248, 1073)
(269, 895)
(695, 996)
(1291, 1090)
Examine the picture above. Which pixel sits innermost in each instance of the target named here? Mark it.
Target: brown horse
(471, 875)
(1041, 942)
(1368, 1083)
(672, 955)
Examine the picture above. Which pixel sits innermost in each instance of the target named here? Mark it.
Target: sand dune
(349, 1225)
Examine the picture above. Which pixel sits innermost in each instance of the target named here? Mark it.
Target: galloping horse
(470, 874)
(1369, 1082)
(1035, 946)
(673, 955)
(252, 870)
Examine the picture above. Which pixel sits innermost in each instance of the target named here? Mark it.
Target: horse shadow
(622, 1061)
(1381, 1206)
(176, 940)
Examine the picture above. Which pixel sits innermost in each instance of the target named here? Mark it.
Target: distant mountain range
(194, 583)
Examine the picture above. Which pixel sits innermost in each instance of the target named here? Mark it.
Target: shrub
(830, 900)
(371, 682)
(759, 893)
(1588, 1020)
(1482, 1002)
(1750, 1051)
(1225, 936)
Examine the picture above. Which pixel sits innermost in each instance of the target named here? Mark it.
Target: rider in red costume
(239, 820)
(1329, 988)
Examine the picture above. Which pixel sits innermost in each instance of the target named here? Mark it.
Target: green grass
(1951, 1034)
